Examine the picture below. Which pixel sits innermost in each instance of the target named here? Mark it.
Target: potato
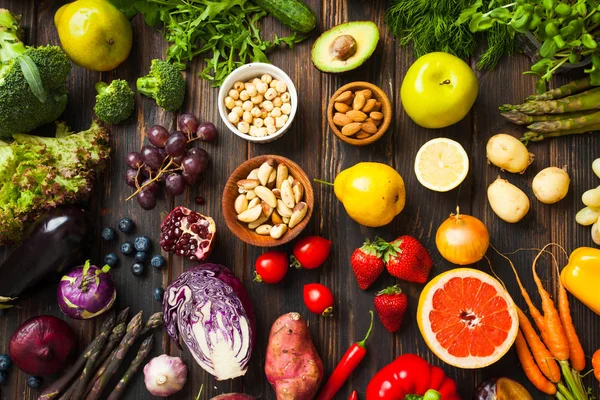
(508, 153)
(508, 201)
(292, 365)
(551, 185)
(596, 167)
(587, 216)
(233, 396)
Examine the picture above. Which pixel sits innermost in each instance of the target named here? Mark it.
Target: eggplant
(59, 240)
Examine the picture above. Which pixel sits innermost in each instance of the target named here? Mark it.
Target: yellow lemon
(94, 34)
(372, 193)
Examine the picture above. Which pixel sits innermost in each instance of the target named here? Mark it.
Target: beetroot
(187, 233)
(233, 396)
(42, 345)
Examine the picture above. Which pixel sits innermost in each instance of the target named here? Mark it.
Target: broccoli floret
(164, 84)
(38, 97)
(114, 102)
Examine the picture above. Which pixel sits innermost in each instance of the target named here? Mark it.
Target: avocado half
(345, 47)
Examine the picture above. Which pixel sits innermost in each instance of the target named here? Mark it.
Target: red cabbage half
(208, 307)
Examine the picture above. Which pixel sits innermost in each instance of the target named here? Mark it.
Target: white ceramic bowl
(248, 72)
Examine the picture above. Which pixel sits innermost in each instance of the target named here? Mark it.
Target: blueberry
(108, 234)
(141, 257)
(158, 293)
(126, 225)
(3, 377)
(34, 382)
(137, 269)
(142, 243)
(158, 261)
(5, 362)
(127, 248)
(111, 259)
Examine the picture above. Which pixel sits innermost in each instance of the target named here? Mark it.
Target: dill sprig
(431, 26)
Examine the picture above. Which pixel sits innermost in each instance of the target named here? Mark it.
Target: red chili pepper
(354, 355)
(353, 396)
(409, 377)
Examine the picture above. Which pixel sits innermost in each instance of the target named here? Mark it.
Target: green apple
(438, 90)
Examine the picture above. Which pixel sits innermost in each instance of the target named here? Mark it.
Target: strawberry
(367, 262)
(407, 259)
(390, 305)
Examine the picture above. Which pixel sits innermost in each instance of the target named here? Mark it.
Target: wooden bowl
(240, 229)
(386, 110)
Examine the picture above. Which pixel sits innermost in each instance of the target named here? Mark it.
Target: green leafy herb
(227, 32)
(431, 26)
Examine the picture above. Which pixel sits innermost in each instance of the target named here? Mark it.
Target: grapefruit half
(467, 318)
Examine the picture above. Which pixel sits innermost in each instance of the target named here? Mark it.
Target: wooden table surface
(313, 146)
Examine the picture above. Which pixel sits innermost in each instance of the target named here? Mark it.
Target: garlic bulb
(165, 375)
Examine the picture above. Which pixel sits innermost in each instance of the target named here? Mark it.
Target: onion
(86, 292)
(462, 239)
(42, 345)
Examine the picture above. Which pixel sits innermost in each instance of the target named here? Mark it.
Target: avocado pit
(342, 47)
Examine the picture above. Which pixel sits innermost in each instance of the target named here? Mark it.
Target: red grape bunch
(167, 159)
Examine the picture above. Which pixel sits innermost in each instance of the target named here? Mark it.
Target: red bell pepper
(353, 396)
(409, 377)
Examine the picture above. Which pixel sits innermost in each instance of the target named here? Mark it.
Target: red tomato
(310, 252)
(271, 267)
(318, 299)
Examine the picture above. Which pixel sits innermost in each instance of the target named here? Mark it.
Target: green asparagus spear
(519, 118)
(536, 137)
(570, 88)
(145, 349)
(566, 124)
(116, 357)
(588, 100)
(56, 388)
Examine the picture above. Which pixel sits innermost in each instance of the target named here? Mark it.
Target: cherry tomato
(310, 252)
(271, 267)
(318, 299)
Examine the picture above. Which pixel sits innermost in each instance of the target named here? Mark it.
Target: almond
(341, 107)
(377, 106)
(356, 116)
(359, 101)
(341, 119)
(369, 127)
(369, 105)
(344, 97)
(362, 135)
(376, 116)
(351, 129)
(367, 93)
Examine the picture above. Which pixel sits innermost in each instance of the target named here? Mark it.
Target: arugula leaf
(226, 32)
(32, 76)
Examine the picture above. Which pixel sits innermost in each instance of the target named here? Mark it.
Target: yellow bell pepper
(581, 276)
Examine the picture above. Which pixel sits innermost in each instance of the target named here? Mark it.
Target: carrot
(596, 364)
(554, 333)
(544, 360)
(530, 368)
(538, 318)
(576, 353)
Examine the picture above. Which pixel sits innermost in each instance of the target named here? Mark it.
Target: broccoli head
(164, 84)
(33, 80)
(114, 102)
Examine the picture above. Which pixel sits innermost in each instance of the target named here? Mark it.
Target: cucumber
(293, 13)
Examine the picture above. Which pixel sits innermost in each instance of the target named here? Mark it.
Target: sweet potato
(292, 365)
(233, 396)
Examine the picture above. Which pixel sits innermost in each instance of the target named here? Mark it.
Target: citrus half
(467, 318)
(441, 164)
